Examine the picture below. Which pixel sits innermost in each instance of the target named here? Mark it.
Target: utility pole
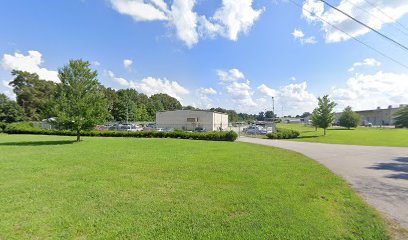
(273, 109)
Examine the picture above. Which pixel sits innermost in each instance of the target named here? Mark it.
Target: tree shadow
(340, 129)
(304, 137)
(38, 143)
(399, 165)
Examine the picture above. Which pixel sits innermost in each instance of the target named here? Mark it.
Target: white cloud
(231, 19)
(121, 81)
(369, 62)
(150, 86)
(6, 89)
(29, 63)
(185, 21)
(370, 12)
(367, 91)
(299, 35)
(141, 10)
(127, 63)
(236, 16)
(96, 63)
(207, 91)
(230, 75)
(267, 91)
(205, 99)
(241, 94)
(292, 98)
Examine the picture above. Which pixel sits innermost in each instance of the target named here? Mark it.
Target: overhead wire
(402, 46)
(352, 37)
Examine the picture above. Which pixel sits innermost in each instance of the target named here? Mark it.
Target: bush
(3, 126)
(27, 128)
(282, 133)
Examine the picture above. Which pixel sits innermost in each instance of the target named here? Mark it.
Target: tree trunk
(78, 136)
(325, 132)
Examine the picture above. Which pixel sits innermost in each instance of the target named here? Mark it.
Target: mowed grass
(360, 136)
(123, 188)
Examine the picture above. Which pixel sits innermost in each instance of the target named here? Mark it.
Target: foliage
(121, 188)
(27, 128)
(283, 133)
(401, 118)
(34, 95)
(349, 119)
(323, 115)
(360, 136)
(80, 102)
(10, 111)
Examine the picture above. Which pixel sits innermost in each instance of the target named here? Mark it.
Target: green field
(105, 188)
(360, 136)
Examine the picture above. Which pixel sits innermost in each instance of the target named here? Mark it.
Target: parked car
(168, 130)
(159, 129)
(200, 129)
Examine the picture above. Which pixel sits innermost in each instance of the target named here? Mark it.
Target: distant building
(377, 116)
(190, 120)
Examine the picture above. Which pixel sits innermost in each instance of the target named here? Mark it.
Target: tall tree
(34, 95)
(323, 115)
(80, 102)
(401, 117)
(270, 115)
(169, 103)
(349, 119)
(10, 111)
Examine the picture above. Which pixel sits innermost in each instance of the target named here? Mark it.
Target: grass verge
(126, 188)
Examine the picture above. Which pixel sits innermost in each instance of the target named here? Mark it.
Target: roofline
(194, 111)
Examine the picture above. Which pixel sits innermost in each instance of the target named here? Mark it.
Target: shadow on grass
(304, 137)
(399, 165)
(341, 129)
(37, 143)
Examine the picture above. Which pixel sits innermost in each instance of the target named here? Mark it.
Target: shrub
(3, 126)
(282, 133)
(28, 128)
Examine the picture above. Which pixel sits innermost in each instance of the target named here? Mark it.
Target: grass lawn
(360, 136)
(124, 188)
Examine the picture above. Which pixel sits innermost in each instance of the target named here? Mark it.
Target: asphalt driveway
(379, 174)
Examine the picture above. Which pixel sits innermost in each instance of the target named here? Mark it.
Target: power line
(388, 16)
(378, 18)
(365, 25)
(356, 39)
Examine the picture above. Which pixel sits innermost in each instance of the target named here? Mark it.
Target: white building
(190, 120)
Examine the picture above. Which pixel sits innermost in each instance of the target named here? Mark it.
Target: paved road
(379, 174)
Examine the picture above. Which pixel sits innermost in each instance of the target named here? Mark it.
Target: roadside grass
(51, 187)
(360, 136)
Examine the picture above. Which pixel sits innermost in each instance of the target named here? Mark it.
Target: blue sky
(235, 54)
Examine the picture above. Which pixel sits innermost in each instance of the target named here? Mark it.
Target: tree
(401, 117)
(10, 111)
(323, 115)
(80, 102)
(269, 115)
(34, 95)
(305, 115)
(261, 116)
(349, 119)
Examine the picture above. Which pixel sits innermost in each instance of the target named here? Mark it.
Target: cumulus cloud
(236, 16)
(293, 98)
(185, 21)
(151, 85)
(300, 36)
(127, 63)
(29, 63)
(369, 62)
(230, 75)
(367, 91)
(375, 13)
(6, 89)
(205, 99)
(141, 10)
(229, 20)
(241, 94)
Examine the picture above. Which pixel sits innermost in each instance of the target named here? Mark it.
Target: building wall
(377, 116)
(189, 120)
